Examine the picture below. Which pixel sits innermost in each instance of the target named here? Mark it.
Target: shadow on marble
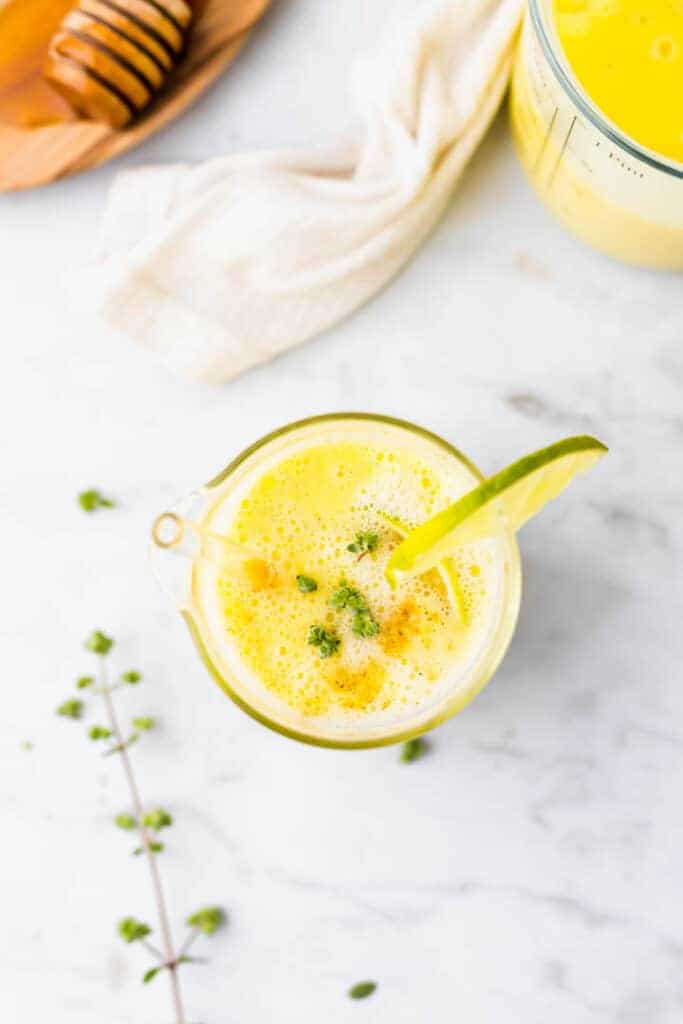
(566, 605)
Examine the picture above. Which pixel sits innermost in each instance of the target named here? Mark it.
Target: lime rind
(504, 501)
(447, 570)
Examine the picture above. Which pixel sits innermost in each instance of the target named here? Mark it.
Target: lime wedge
(447, 570)
(504, 501)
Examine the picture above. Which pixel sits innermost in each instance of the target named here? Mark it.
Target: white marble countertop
(529, 870)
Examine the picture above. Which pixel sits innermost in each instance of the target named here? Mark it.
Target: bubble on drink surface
(604, 8)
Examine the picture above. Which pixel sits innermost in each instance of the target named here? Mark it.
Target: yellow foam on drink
(300, 513)
(628, 56)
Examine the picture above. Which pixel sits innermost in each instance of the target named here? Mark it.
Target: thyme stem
(194, 934)
(152, 949)
(168, 956)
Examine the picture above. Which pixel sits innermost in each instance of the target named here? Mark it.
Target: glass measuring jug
(613, 193)
(269, 617)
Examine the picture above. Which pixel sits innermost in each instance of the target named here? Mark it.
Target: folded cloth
(220, 266)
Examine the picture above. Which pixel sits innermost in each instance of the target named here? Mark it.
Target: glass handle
(172, 532)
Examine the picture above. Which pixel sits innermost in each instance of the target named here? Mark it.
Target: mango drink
(307, 633)
(598, 121)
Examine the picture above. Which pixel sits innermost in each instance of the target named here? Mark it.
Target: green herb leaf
(83, 682)
(27, 745)
(99, 732)
(92, 499)
(132, 930)
(413, 750)
(326, 641)
(362, 989)
(131, 677)
(126, 822)
(71, 708)
(364, 543)
(347, 597)
(206, 920)
(306, 584)
(151, 974)
(99, 643)
(364, 625)
(144, 724)
(155, 847)
(157, 819)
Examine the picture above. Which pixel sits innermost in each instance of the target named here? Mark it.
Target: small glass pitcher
(193, 529)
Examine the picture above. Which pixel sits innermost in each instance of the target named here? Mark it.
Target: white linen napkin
(223, 265)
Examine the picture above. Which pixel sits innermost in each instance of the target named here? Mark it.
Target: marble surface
(530, 868)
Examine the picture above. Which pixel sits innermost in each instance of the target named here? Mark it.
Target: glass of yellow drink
(297, 622)
(598, 122)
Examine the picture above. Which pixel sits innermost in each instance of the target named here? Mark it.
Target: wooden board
(44, 142)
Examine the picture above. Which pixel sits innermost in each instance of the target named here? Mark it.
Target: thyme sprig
(347, 597)
(365, 543)
(92, 499)
(325, 640)
(148, 822)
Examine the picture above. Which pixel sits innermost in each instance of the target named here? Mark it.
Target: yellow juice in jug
(598, 122)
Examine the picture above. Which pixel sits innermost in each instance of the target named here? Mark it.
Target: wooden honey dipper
(110, 57)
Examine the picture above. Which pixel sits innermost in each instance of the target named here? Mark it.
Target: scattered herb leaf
(364, 543)
(99, 732)
(157, 819)
(131, 677)
(132, 930)
(347, 597)
(92, 499)
(413, 750)
(151, 974)
(326, 641)
(144, 724)
(206, 920)
(71, 708)
(83, 682)
(126, 822)
(99, 643)
(362, 989)
(364, 625)
(306, 584)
